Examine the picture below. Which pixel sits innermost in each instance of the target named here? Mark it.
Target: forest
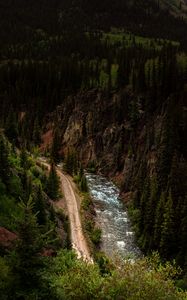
(110, 75)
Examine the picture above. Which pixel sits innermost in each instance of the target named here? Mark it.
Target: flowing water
(117, 234)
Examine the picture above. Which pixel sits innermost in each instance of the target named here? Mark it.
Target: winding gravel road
(78, 240)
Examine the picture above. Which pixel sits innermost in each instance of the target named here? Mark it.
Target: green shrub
(96, 236)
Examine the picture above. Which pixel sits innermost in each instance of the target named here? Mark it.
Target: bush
(91, 167)
(86, 202)
(96, 236)
(145, 279)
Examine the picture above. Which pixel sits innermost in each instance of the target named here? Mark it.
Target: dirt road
(77, 237)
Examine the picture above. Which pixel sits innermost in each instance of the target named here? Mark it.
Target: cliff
(144, 152)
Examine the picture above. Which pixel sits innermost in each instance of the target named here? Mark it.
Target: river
(111, 215)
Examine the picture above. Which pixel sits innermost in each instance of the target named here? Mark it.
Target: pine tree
(83, 184)
(182, 234)
(27, 262)
(4, 160)
(56, 145)
(167, 242)
(24, 158)
(71, 164)
(53, 183)
(39, 206)
(81, 171)
(150, 214)
(26, 184)
(166, 153)
(11, 127)
(159, 220)
(143, 203)
(36, 132)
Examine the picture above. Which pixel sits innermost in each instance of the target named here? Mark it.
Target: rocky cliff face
(115, 132)
(92, 124)
(145, 152)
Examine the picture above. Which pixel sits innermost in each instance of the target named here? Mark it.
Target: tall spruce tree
(27, 262)
(159, 219)
(167, 242)
(11, 127)
(24, 158)
(53, 183)
(36, 132)
(4, 160)
(39, 206)
(56, 144)
(71, 164)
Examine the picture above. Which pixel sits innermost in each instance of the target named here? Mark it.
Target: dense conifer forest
(113, 75)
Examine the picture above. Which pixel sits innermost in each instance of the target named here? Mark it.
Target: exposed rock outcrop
(6, 238)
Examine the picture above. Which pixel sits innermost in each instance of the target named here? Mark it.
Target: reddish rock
(48, 252)
(6, 237)
(46, 140)
(127, 197)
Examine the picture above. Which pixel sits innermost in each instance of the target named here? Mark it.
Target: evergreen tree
(71, 164)
(24, 158)
(182, 235)
(159, 219)
(11, 127)
(167, 242)
(81, 171)
(56, 145)
(27, 185)
(143, 203)
(27, 262)
(36, 133)
(39, 206)
(4, 160)
(166, 153)
(150, 215)
(53, 183)
(83, 184)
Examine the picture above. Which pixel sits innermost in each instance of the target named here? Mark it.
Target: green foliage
(168, 229)
(93, 232)
(39, 206)
(74, 279)
(71, 163)
(67, 48)
(11, 127)
(66, 225)
(24, 159)
(81, 180)
(8, 211)
(5, 278)
(53, 183)
(15, 186)
(26, 260)
(4, 160)
(91, 167)
(2, 187)
(83, 184)
(103, 262)
(96, 236)
(88, 214)
(86, 202)
(36, 132)
(145, 279)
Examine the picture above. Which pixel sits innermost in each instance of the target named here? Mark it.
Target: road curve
(78, 240)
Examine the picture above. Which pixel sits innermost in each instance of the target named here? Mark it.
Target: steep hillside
(104, 82)
(22, 20)
(146, 152)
